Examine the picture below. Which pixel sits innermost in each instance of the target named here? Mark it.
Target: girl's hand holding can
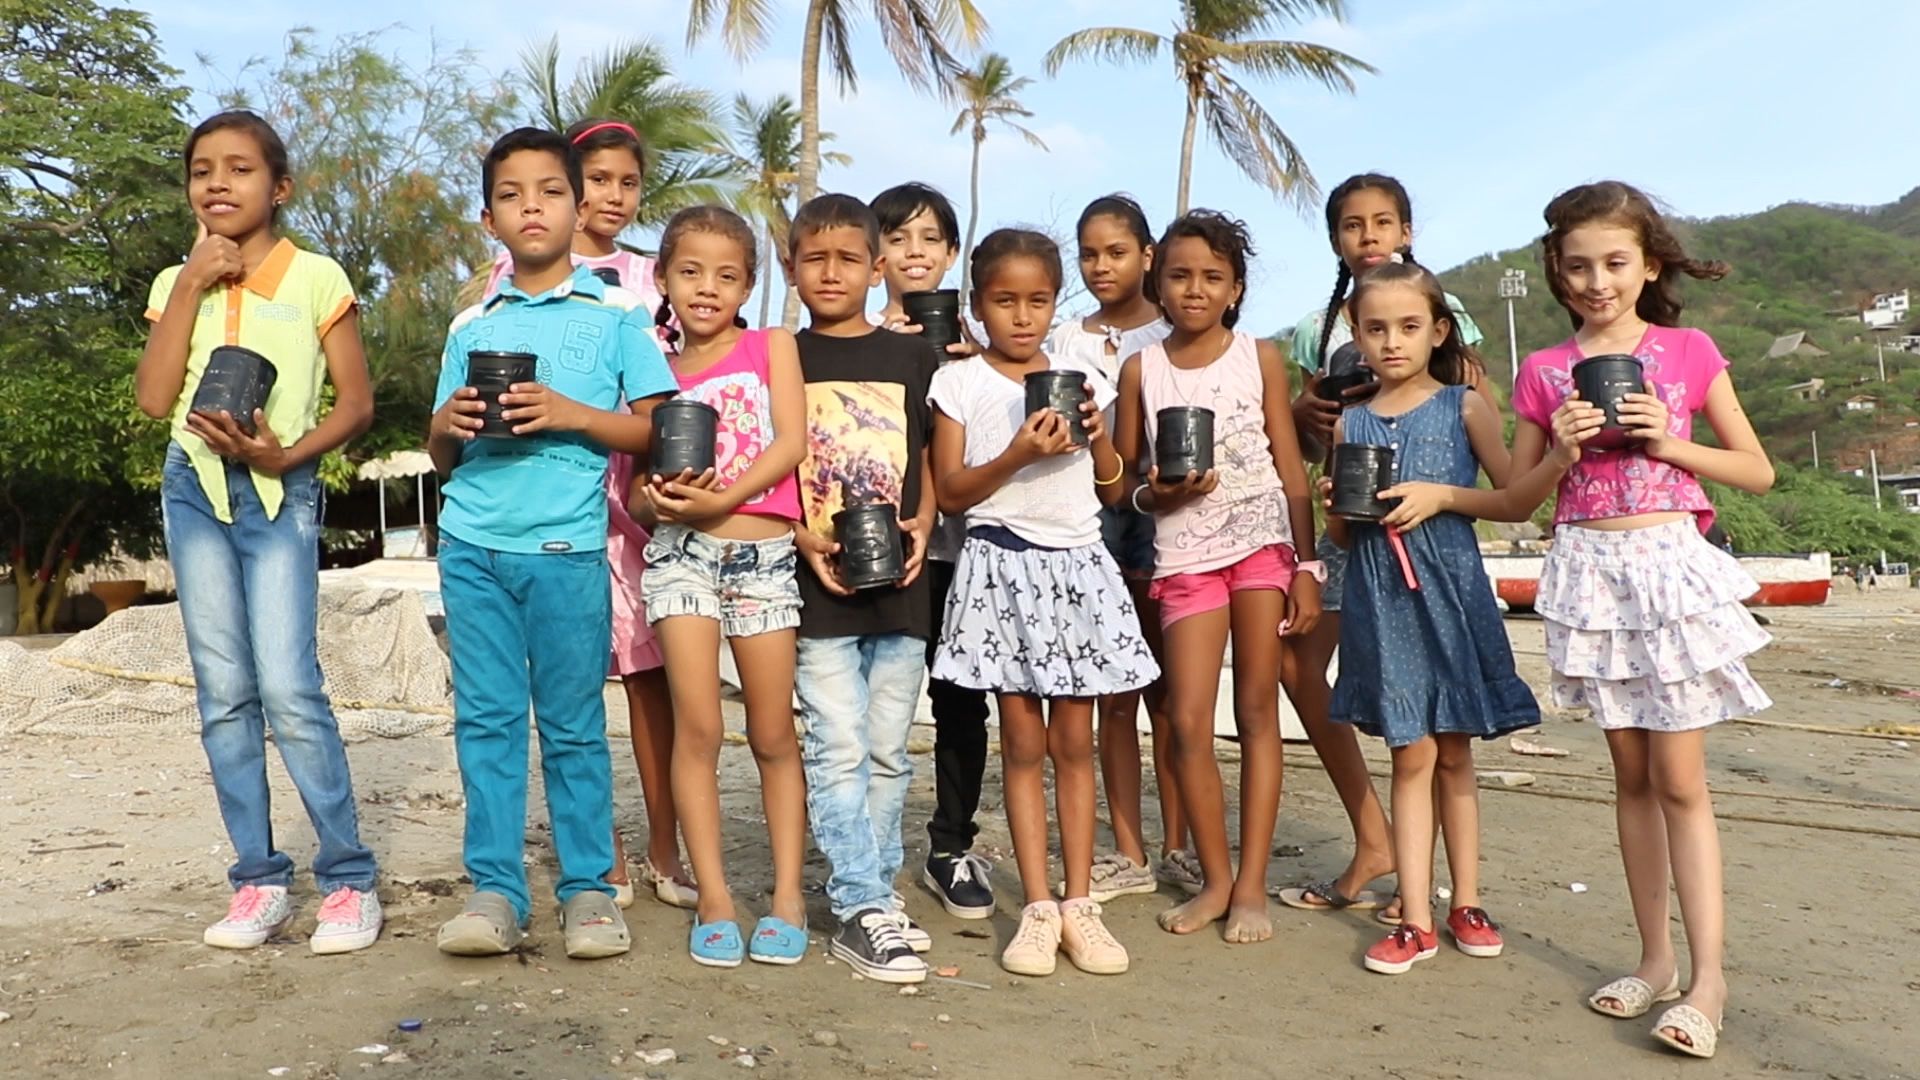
(1574, 422)
(1324, 486)
(259, 450)
(1042, 436)
(1092, 418)
(1172, 496)
(1646, 418)
(1418, 502)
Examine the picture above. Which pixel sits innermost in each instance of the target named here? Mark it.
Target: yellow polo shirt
(282, 311)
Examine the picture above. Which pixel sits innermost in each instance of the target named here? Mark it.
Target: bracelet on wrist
(1119, 471)
(1135, 500)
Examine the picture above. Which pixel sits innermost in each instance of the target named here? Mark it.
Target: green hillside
(1792, 266)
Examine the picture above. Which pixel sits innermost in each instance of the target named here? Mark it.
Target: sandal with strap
(1702, 1034)
(1634, 997)
(667, 890)
(1326, 896)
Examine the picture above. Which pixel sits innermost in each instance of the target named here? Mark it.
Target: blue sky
(1484, 108)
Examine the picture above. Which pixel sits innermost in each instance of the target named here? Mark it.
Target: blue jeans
(249, 601)
(857, 700)
(531, 628)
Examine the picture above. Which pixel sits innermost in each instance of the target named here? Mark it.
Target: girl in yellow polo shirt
(243, 506)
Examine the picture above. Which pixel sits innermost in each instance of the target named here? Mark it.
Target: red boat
(1785, 580)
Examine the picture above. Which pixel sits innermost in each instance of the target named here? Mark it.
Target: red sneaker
(1405, 947)
(1474, 933)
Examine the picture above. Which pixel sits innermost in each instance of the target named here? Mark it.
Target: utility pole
(1816, 448)
(1513, 286)
(1873, 458)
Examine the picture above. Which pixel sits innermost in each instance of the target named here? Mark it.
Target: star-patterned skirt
(1048, 622)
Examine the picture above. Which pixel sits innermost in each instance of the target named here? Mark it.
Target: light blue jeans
(249, 601)
(531, 628)
(857, 700)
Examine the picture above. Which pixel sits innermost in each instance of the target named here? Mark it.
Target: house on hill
(1795, 345)
(1886, 311)
(1811, 390)
(1860, 403)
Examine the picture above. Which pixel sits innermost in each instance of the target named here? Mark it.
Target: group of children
(1048, 562)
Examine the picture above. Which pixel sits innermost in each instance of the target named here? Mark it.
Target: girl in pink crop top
(1644, 622)
(740, 387)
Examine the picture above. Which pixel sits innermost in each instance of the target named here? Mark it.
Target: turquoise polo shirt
(544, 493)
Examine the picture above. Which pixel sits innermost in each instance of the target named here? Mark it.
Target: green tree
(765, 148)
(385, 159)
(915, 33)
(679, 125)
(91, 209)
(1214, 44)
(987, 96)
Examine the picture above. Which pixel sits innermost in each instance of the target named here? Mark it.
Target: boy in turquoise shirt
(523, 533)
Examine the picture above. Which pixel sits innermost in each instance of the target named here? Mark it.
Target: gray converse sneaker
(870, 943)
(349, 921)
(916, 936)
(256, 913)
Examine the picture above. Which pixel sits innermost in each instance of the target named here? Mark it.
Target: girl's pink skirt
(635, 648)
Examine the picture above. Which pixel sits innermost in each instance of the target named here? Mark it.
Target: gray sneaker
(916, 935)
(256, 913)
(870, 943)
(486, 926)
(594, 927)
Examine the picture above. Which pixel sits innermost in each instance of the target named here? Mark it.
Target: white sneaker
(349, 921)
(257, 913)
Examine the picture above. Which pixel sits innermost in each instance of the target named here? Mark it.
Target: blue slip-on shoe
(777, 941)
(716, 944)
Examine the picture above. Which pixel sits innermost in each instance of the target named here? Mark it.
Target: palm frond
(914, 33)
(1117, 44)
(1031, 137)
(540, 69)
(1255, 142)
(1330, 68)
(744, 24)
(836, 40)
(1228, 20)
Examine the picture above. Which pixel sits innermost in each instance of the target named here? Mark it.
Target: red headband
(613, 124)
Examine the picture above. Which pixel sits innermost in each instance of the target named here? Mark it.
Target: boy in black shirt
(862, 655)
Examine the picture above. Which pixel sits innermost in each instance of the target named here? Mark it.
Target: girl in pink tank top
(721, 564)
(1224, 552)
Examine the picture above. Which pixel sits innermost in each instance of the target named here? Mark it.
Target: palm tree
(1212, 43)
(687, 163)
(766, 150)
(915, 33)
(987, 95)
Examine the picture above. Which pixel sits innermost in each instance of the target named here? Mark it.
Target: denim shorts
(747, 586)
(1129, 537)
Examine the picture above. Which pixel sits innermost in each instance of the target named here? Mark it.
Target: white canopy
(398, 465)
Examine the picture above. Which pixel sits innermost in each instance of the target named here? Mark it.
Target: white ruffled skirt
(1646, 628)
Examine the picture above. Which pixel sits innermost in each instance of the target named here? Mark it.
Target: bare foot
(791, 910)
(1248, 923)
(1657, 975)
(1361, 872)
(1391, 913)
(1205, 909)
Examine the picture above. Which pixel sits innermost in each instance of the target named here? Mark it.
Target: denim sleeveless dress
(1415, 663)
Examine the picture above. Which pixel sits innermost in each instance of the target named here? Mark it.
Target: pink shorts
(1182, 595)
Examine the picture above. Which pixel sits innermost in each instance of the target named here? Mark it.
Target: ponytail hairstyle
(1336, 206)
(714, 221)
(1123, 207)
(1227, 237)
(598, 133)
(1454, 362)
(1002, 245)
(1611, 202)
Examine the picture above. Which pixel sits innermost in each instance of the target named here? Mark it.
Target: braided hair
(1336, 206)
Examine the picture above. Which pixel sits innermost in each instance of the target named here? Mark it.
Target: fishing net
(385, 673)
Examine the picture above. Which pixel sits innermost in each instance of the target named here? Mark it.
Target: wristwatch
(1314, 567)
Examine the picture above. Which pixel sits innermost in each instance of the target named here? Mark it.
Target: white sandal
(668, 891)
(1703, 1035)
(1635, 996)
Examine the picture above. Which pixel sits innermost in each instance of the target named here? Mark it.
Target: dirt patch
(112, 860)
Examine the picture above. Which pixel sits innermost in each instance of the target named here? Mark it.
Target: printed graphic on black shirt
(856, 449)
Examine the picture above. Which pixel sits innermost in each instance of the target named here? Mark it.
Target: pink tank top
(737, 386)
(1248, 511)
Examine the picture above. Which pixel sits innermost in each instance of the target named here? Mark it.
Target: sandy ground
(112, 859)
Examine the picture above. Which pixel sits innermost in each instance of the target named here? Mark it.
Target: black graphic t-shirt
(868, 423)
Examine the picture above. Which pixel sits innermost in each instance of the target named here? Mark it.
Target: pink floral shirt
(739, 388)
(1682, 364)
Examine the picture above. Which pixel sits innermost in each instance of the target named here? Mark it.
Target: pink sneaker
(349, 921)
(1400, 950)
(257, 913)
(1474, 933)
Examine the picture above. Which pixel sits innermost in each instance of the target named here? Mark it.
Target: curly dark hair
(1611, 202)
(1226, 236)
